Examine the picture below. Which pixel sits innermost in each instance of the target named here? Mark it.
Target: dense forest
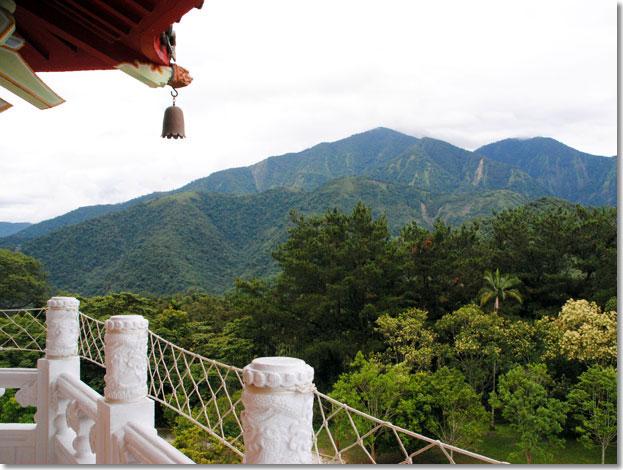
(505, 325)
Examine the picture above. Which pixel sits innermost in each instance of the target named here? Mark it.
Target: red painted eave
(68, 35)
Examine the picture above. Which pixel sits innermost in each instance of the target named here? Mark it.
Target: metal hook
(174, 94)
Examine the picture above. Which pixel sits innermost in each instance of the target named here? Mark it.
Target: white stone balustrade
(81, 415)
(126, 358)
(76, 425)
(53, 435)
(17, 441)
(143, 445)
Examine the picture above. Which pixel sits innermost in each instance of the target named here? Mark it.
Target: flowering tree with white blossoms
(582, 331)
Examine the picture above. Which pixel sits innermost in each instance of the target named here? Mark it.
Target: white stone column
(63, 327)
(61, 357)
(125, 350)
(125, 393)
(278, 406)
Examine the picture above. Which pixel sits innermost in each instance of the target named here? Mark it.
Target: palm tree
(499, 286)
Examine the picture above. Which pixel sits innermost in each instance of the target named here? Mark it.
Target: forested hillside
(381, 154)
(8, 228)
(215, 229)
(532, 168)
(205, 240)
(73, 217)
(562, 170)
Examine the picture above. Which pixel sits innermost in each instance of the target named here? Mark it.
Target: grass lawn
(496, 444)
(501, 442)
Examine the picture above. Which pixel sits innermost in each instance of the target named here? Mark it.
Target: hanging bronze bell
(173, 123)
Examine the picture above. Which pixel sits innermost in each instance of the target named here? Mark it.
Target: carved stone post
(63, 327)
(278, 404)
(126, 358)
(61, 357)
(125, 392)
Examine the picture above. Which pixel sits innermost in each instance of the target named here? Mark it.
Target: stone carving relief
(273, 379)
(277, 420)
(126, 358)
(63, 327)
(63, 303)
(73, 415)
(277, 428)
(27, 395)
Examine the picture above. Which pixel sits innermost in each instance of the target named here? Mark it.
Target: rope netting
(195, 387)
(345, 435)
(208, 394)
(204, 391)
(91, 341)
(22, 330)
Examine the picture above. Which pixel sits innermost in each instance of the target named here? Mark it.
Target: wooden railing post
(125, 394)
(61, 357)
(278, 404)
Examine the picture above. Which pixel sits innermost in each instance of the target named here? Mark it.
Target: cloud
(278, 76)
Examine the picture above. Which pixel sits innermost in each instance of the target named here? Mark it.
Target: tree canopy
(392, 325)
(22, 281)
(527, 404)
(581, 331)
(594, 403)
(339, 273)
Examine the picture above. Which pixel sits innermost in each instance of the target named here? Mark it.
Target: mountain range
(9, 228)
(207, 232)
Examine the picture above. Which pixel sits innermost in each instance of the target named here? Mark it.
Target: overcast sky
(278, 76)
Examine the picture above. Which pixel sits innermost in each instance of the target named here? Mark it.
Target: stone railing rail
(74, 423)
(77, 425)
(143, 445)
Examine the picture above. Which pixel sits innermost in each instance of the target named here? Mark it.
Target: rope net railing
(208, 394)
(91, 340)
(205, 392)
(343, 435)
(22, 330)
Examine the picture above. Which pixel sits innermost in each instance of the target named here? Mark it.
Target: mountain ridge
(204, 240)
(380, 153)
(9, 228)
(387, 155)
(72, 217)
(213, 229)
(564, 171)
